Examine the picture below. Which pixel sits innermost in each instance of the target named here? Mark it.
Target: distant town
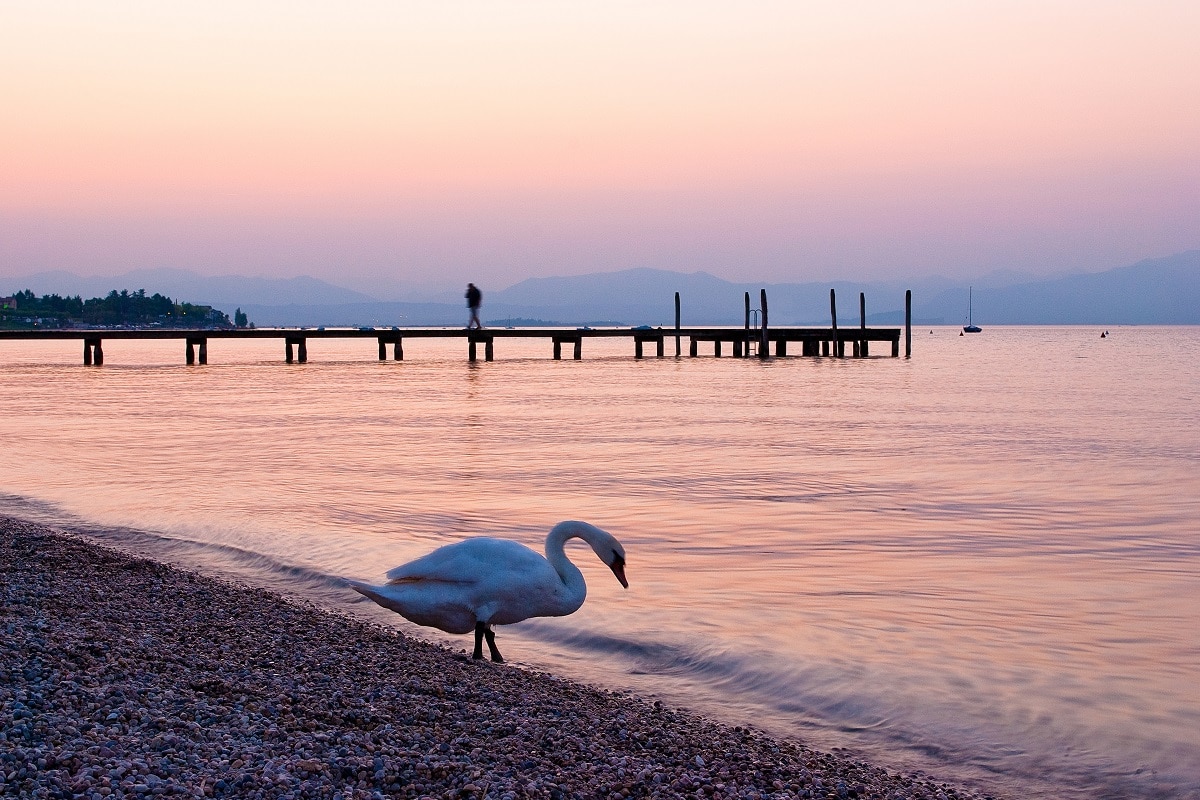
(26, 311)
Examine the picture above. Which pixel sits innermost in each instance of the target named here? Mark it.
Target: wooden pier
(754, 338)
(742, 342)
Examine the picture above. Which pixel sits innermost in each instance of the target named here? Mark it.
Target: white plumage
(478, 583)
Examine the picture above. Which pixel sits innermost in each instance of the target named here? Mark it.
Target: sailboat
(971, 327)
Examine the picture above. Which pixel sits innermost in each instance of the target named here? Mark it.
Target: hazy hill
(1160, 291)
(1154, 291)
(1157, 291)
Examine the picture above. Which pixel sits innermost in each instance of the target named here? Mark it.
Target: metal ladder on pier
(754, 332)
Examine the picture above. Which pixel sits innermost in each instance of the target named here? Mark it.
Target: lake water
(982, 563)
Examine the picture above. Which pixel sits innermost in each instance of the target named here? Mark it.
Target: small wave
(829, 709)
(221, 560)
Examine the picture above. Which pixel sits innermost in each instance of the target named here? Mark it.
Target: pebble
(125, 678)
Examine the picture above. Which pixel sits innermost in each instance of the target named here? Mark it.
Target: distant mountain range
(1161, 291)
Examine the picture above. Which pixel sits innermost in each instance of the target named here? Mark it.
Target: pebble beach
(127, 678)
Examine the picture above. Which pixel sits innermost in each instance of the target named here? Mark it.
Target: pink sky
(494, 141)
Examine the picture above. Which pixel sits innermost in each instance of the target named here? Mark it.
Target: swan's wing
(467, 562)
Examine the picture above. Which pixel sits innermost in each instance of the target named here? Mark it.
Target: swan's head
(617, 564)
(605, 545)
(612, 553)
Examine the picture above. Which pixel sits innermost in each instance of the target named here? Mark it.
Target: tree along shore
(25, 310)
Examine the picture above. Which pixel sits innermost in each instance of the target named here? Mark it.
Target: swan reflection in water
(481, 582)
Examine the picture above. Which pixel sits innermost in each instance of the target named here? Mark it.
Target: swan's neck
(571, 577)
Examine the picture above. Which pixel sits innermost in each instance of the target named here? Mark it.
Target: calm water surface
(981, 563)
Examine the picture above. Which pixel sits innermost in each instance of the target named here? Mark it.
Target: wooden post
(637, 346)
(288, 351)
(764, 344)
(470, 348)
(578, 348)
(98, 352)
(692, 348)
(189, 355)
(737, 348)
(717, 348)
(678, 351)
(488, 352)
(907, 324)
(87, 352)
(746, 343)
(382, 349)
(302, 351)
(837, 345)
(861, 349)
(398, 350)
(558, 350)
(781, 347)
(658, 351)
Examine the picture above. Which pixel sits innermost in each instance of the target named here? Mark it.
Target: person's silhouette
(474, 299)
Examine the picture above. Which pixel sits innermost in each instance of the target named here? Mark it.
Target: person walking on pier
(474, 300)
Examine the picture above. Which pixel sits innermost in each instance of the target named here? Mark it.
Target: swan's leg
(490, 635)
(480, 628)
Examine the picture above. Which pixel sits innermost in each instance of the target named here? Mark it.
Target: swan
(477, 583)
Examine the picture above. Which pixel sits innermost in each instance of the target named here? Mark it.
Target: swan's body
(478, 583)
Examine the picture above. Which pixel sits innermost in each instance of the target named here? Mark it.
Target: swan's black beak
(618, 568)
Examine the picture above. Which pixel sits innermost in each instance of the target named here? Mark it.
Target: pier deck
(743, 342)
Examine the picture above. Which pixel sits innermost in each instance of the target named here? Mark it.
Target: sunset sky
(439, 142)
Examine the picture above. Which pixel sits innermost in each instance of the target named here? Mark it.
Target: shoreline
(125, 677)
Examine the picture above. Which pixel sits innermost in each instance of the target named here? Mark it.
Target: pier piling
(193, 344)
(907, 327)
(474, 339)
(678, 351)
(764, 344)
(93, 353)
(301, 345)
(860, 347)
(744, 350)
(836, 344)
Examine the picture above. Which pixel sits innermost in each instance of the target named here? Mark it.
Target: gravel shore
(122, 677)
